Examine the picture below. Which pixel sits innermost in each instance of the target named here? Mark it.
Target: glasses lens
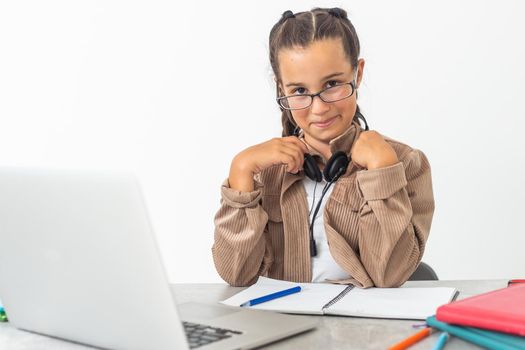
(338, 92)
(296, 102)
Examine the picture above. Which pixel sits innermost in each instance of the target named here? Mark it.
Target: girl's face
(308, 70)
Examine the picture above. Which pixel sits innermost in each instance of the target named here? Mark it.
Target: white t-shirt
(323, 264)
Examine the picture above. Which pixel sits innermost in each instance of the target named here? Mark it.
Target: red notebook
(501, 310)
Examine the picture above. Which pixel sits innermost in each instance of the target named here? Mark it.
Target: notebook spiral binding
(339, 296)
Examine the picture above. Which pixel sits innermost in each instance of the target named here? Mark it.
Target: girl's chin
(325, 135)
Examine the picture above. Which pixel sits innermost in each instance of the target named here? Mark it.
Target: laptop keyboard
(199, 334)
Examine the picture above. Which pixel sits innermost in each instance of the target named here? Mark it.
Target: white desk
(333, 332)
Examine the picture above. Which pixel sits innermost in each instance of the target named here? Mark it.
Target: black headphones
(334, 168)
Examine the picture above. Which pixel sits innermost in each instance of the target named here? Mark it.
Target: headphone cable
(313, 246)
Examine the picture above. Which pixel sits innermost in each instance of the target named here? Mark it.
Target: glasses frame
(279, 99)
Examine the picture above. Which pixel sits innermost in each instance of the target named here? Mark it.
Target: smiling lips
(326, 123)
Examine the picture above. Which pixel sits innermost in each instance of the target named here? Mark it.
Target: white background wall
(174, 90)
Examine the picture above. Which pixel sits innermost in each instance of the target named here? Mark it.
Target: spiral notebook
(414, 303)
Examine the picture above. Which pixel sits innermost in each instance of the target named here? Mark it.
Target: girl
(370, 227)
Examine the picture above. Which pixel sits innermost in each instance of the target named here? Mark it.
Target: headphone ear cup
(335, 166)
(311, 169)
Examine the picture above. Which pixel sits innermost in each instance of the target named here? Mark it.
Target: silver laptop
(79, 261)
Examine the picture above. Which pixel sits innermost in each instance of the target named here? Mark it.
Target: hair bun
(337, 12)
(287, 14)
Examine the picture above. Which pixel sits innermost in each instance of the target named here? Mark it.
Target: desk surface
(333, 332)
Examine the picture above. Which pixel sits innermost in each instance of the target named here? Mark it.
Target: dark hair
(303, 28)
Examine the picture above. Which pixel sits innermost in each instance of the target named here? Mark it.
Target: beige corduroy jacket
(376, 221)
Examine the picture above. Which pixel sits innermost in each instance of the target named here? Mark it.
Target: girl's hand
(286, 150)
(371, 151)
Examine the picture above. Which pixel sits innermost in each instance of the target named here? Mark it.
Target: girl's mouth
(326, 123)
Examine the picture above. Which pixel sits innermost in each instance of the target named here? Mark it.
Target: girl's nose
(319, 107)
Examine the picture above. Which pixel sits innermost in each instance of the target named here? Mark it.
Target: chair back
(424, 273)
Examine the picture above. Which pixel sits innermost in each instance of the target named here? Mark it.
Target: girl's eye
(299, 91)
(332, 83)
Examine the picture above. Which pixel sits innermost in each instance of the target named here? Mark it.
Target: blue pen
(442, 340)
(272, 296)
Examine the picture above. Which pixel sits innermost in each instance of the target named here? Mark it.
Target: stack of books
(493, 320)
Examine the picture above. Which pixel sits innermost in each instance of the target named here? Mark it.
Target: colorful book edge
(473, 311)
(488, 339)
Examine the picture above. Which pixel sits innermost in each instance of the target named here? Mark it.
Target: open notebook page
(402, 303)
(310, 300)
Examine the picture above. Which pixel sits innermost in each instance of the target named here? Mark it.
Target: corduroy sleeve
(239, 244)
(395, 218)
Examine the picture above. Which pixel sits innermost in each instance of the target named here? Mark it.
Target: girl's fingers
(297, 153)
(295, 140)
(291, 158)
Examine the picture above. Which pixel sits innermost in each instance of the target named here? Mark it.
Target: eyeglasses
(330, 94)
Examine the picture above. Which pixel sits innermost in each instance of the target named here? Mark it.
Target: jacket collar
(343, 142)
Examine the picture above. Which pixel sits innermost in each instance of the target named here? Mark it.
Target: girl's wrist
(241, 164)
(241, 176)
(383, 164)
